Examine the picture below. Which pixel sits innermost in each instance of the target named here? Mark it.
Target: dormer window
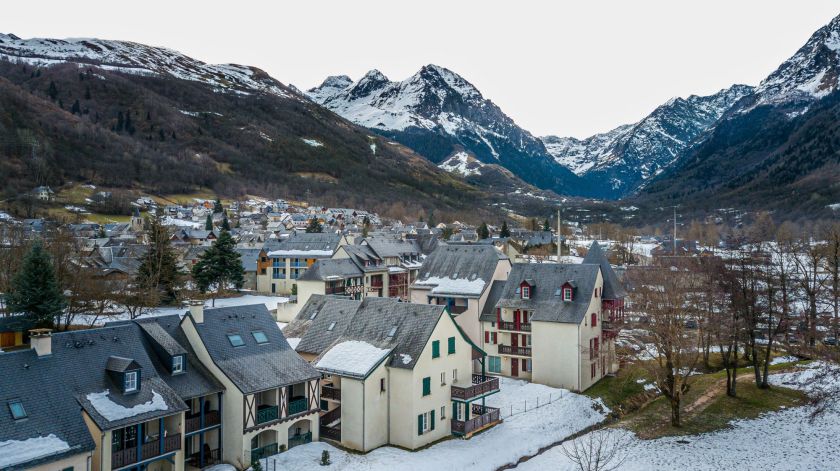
(526, 292)
(131, 381)
(17, 410)
(177, 364)
(567, 294)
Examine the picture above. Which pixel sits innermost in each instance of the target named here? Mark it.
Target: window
(324, 405)
(592, 370)
(427, 386)
(382, 385)
(526, 365)
(425, 422)
(455, 376)
(442, 413)
(392, 332)
(494, 364)
(331, 326)
(526, 292)
(314, 314)
(17, 410)
(178, 364)
(450, 346)
(236, 340)
(443, 378)
(594, 320)
(68, 469)
(567, 294)
(260, 337)
(130, 381)
(435, 348)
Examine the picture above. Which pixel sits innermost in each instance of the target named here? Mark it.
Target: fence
(520, 407)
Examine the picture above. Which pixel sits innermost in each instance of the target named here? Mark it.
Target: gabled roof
(488, 314)
(548, 278)
(403, 329)
(121, 364)
(390, 247)
(331, 269)
(613, 289)
(249, 257)
(459, 270)
(252, 367)
(309, 245)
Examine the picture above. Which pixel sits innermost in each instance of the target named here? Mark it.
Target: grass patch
(616, 390)
(75, 195)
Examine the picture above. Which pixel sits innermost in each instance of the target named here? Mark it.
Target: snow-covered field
(519, 435)
(269, 301)
(784, 440)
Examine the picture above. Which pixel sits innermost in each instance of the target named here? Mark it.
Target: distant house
(289, 259)
(43, 193)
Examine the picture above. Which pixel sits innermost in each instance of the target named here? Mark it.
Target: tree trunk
(675, 411)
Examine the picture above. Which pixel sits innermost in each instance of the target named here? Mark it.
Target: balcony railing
(148, 450)
(301, 439)
(332, 433)
(481, 417)
(515, 327)
(481, 385)
(211, 418)
(267, 414)
(330, 417)
(263, 452)
(296, 406)
(518, 351)
(330, 392)
(211, 458)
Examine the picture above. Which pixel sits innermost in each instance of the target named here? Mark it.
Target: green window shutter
(433, 420)
(454, 411)
(420, 424)
(427, 386)
(451, 345)
(435, 348)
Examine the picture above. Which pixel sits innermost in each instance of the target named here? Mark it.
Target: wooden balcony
(515, 327)
(148, 450)
(482, 417)
(211, 418)
(481, 386)
(515, 351)
(330, 392)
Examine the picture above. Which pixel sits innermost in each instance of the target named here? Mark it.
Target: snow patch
(14, 452)
(112, 411)
(312, 142)
(293, 342)
(453, 285)
(352, 357)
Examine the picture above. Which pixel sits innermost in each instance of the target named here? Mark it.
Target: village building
(289, 259)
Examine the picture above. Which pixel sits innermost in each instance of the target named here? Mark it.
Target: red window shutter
(495, 339)
(486, 336)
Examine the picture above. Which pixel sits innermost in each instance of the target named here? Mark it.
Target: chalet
(394, 373)
(555, 324)
(289, 259)
(401, 258)
(460, 276)
(43, 193)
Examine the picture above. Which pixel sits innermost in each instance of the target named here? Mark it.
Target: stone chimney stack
(197, 310)
(41, 341)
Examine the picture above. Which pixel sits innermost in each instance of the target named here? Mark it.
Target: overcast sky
(556, 67)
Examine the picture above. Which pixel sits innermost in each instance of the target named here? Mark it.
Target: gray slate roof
(488, 314)
(462, 261)
(390, 247)
(370, 322)
(249, 257)
(252, 367)
(547, 278)
(310, 241)
(331, 269)
(613, 288)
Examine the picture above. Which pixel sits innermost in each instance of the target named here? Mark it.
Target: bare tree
(601, 450)
(811, 279)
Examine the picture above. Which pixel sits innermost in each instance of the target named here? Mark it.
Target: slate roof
(547, 279)
(331, 269)
(389, 247)
(488, 314)
(249, 257)
(54, 388)
(370, 322)
(313, 334)
(613, 288)
(469, 262)
(252, 367)
(305, 242)
(362, 253)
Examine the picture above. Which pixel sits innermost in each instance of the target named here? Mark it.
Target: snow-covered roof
(352, 358)
(14, 452)
(113, 411)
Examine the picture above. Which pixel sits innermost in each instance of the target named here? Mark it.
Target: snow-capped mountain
(437, 112)
(629, 155)
(134, 58)
(463, 164)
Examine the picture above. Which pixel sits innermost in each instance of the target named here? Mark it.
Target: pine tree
(220, 266)
(431, 220)
(325, 458)
(314, 226)
(158, 270)
(217, 206)
(34, 290)
(505, 232)
(225, 222)
(52, 91)
(483, 231)
(546, 225)
(365, 226)
(76, 108)
(208, 223)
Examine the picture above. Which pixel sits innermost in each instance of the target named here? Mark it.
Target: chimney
(41, 341)
(197, 310)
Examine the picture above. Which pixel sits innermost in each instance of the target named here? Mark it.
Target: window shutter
(427, 386)
(486, 336)
(451, 345)
(433, 420)
(435, 348)
(420, 424)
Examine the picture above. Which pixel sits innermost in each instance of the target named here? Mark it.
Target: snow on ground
(352, 357)
(293, 342)
(522, 434)
(783, 440)
(462, 164)
(313, 142)
(269, 301)
(785, 359)
(13, 452)
(113, 411)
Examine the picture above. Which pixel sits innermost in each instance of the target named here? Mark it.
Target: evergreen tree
(483, 231)
(314, 226)
(505, 232)
(208, 224)
(158, 270)
(76, 108)
(546, 225)
(52, 91)
(34, 290)
(225, 222)
(365, 226)
(431, 220)
(217, 206)
(220, 266)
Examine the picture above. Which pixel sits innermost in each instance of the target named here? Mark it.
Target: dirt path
(702, 402)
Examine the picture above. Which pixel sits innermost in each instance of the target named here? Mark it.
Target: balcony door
(516, 319)
(514, 364)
